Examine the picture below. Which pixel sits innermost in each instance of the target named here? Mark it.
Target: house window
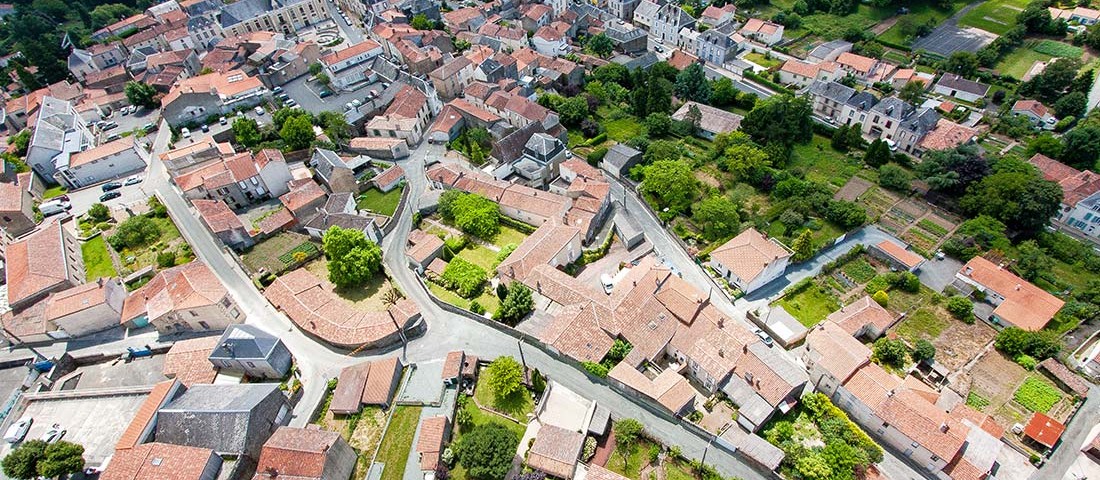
(935, 458)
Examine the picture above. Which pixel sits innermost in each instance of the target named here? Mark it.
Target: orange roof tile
(189, 361)
(1026, 305)
(157, 398)
(748, 254)
(46, 250)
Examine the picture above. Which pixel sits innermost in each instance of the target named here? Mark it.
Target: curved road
(445, 332)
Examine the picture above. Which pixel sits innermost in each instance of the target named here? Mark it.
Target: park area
(280, 253)
(375, 201)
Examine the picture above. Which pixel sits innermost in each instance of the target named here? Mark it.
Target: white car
(259, 111)
(185, 132)
(134, 180)
(18, 430)
(53, 434)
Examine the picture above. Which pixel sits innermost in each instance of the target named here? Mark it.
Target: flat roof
(94, 420)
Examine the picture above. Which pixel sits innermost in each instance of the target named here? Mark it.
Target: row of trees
(292, 129)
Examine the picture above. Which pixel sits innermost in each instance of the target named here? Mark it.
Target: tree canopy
(1023, 201)
(672, 183)
(692, 84)
(476, 215)
(717, 216)
(486, 452)
(780, 119)
(953, 170)
(143, 94)
(505, 377)
(297, 132)
(353, 259)
(247, 132)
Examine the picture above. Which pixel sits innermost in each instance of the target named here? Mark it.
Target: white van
(53, 208)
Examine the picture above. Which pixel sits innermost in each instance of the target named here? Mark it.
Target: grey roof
(601, 417)
(671, 13)
(923, 122)
(510, 148)
(55, 117)
(863, 101)
(716, 37)
(624, 32)
(955, 82)
(79, 57)
(326, 161)
(541, 147)
(645, 61)
(824, 51)
(750, 405)
(242, 10)
(244, 342)
(225, 398)
(337, 202)
(620, 154)
(647, 9)
(832, 90)
(782, 365)
(893, 107)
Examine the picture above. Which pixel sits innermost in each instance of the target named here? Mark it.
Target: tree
(1072, 104)
(672, 183)
(486, 452)
(335, 125)
(657, 124)
(962, 63)
(464, 277)
(109, 13)
(878, 153)
(723, 94)
(1041, 344)
(953, 170)
(744, 160)
(516, 305)
(297, 133)
(890, 352)
(692, 84)
(1045, 144)
(803, 246)
(505, 377)
(247, 132)
(572, 110)
(134, 232)
(22, 462)
(895, 178)
(717, 216)
(476, 215)
(599, 45)
(628, 432)
(813, 467)
(839, 140)
(975, 236)
(880, 297)
(1024, 201)
(61, 458)
(961, 308)
(1081, 147)
(912, 92)
(846, 214)
(421, 22)
(138, 93)
(281, 115)
(780, 119)
(1032, 261)
(658, 95)
(1054, 81)
(98, 212)
(352, 257)
(446, 203)
(923, 352)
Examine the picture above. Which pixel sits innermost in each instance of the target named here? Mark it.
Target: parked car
(206, 128)
(112, 137)
(356, 102)
(124, 110)
(109, 196)
(134, 180)
(259, 110)
(291, 103)
(325, 94)
(54, 207)
(185, 132)
(223, 121)
(18, 430)
(110, 126)
(149, 127)
(767, 339)
(111, 186)
(53, 434)
(277, 90)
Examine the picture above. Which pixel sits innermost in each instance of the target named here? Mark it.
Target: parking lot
(308, 95)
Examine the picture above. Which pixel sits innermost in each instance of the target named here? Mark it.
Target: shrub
(1041, 344)
(98, 212)
(961, 308)
(1026, 361)
(135, 232)
(589, 448)
(166, 259)
(890, 352)
(906, 282)
(881, 298)
(924, 351)
(476, 307)
(595, 369)
(516, 305)
(476, 215)
(464, 278)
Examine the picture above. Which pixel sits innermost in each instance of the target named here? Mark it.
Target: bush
(924, 351)
(464, 277)
(1026, 361)
(135, 232)
(476, 307)
(166, 259)
(516, 305)
(1041, 344)
(98, 212)
(589, 448)
(596, 155)
(961, 308)
(906, 282)
(595, 369)
(476, 215)
(890, 352)
(881, 298)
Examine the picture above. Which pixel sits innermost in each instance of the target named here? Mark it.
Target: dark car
(109, 195)
(325, 94)
(111, 186)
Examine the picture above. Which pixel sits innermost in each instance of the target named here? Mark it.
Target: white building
(750, 260)
(58, 132)
(351, 65)
(107, 161)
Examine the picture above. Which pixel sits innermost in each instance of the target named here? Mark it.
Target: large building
(196, 98)
(1019, 303)
(58, 133)
(107, 161)
(750, 260)
(182, 299)
(283, 16)
(1080, 210)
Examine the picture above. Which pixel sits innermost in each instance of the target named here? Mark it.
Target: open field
(811, 305)
(517, 406)
(994, 16)
(920, 13)
(1019, 61)
(97, 261)
(276, 254)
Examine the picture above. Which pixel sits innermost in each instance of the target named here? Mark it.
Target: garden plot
(280, 253)
(902, 214)
(876, 201)
(956, 342)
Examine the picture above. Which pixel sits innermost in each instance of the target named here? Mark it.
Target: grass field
(921, 324)
(378, 202)
(398, 441)
(1019, 61)
(480, 256)
(994, 16)
(97, 261)
(487, 298)
(517, 406)
(811, 305)
(508, 235)
(823, 164)
(623, 129)
(762, 60)
(919, 13)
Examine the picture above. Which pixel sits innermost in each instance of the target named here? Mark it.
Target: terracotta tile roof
(537, 202)
(278, 221)
(836, 351)
(424, 246)
(1066, 376)
(12, 196)
(1033, 106)
(947, 135)
(1044, 429)
(389, 175)
(146, 414)
(899, 253)
(189, 361)
(858, 63)
(808, 70)
(217, 215)
(1076, 185)
(158, 461)
(1025, 305)
(352, 51)
(314, 307)
(756, 25)
(302, 195)
(184, 287)
(228, 84)
(596, 472)
(537, 249)
(26, 322)
(860, 313)
(872, 385)
(575, 331)
(668, 388)
(242, 166)
(681, 60)
(374, 143)
(716, 13)
(430, 442)
(102, 151)
(76, 299)
(748, 254)
(348, 396)
(555, 451)
(437, 266)
(381, 381)
(296, 452)
(452, 366)
(46, 250)
(924, 423)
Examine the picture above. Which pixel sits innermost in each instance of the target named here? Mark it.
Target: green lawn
(1019, 61)
(921, 324)
(623, 129)
(508, 235)
(396, 445)
(1058, 49)
(53, 192)
(822, 163)
(97, 262)
(378, 202)
(480, 417)
(1037, 395)
(517, 405)
(487, 298)
(763, 61)
(479, 255)
(811, 305)
(994, 16)
(629, 467)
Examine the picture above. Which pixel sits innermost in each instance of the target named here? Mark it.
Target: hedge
(464, 277)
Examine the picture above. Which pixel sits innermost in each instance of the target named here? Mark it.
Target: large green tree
(61, 458)
(297, 132)
(22, 462)
(672, 183)
(953, 170)
(143, 94)
(247, 132)
(1081, 147)
(476, 215)
(486, 452)
(780, 119)
(516, 305)
(505, 377)
(353, 259)
(599, 45)
(628, 434)
(717, 216)
(692, 84)
(1024, 201)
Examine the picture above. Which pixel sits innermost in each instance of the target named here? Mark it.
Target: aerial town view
(550, 239)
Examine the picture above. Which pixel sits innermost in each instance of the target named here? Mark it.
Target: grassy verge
(516, 406)
(97, 261)
(398, 441)
(54, 191)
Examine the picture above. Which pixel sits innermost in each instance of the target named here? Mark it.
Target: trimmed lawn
(1037, 395)
(398, 441)
(921, 324)
(1019, 61)
(678, 471)
(480, 417)
(487, 298)
(994, 16)
(763, 61)
(53, 192)
(378, 202)
(623, 129)
(517, 405)
(823, 164)
(811, 305)
(97, 261)
(480, 256)
(508, 235)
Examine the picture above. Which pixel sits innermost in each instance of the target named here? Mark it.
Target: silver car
(53, 434)
(18, 430)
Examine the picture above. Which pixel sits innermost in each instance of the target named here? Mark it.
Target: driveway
(938, 274)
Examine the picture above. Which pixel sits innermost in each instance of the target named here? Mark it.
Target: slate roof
(244, 342)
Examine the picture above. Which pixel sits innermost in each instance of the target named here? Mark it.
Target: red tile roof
(1076, 185)
(1044, 430)
(36, 263)
(430, 442)
(860, 313)
(302, 195)
(146, 414)
(102, 151)
(296, 452)
(189, 361)
(555, 451)
(217, 215)
(1033, 106)
(188, 286)
(1026, 305)
(903, 256)
(352, 51)
(749, 253)
(158, 461)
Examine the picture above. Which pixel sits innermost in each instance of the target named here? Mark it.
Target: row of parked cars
(18, 431)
